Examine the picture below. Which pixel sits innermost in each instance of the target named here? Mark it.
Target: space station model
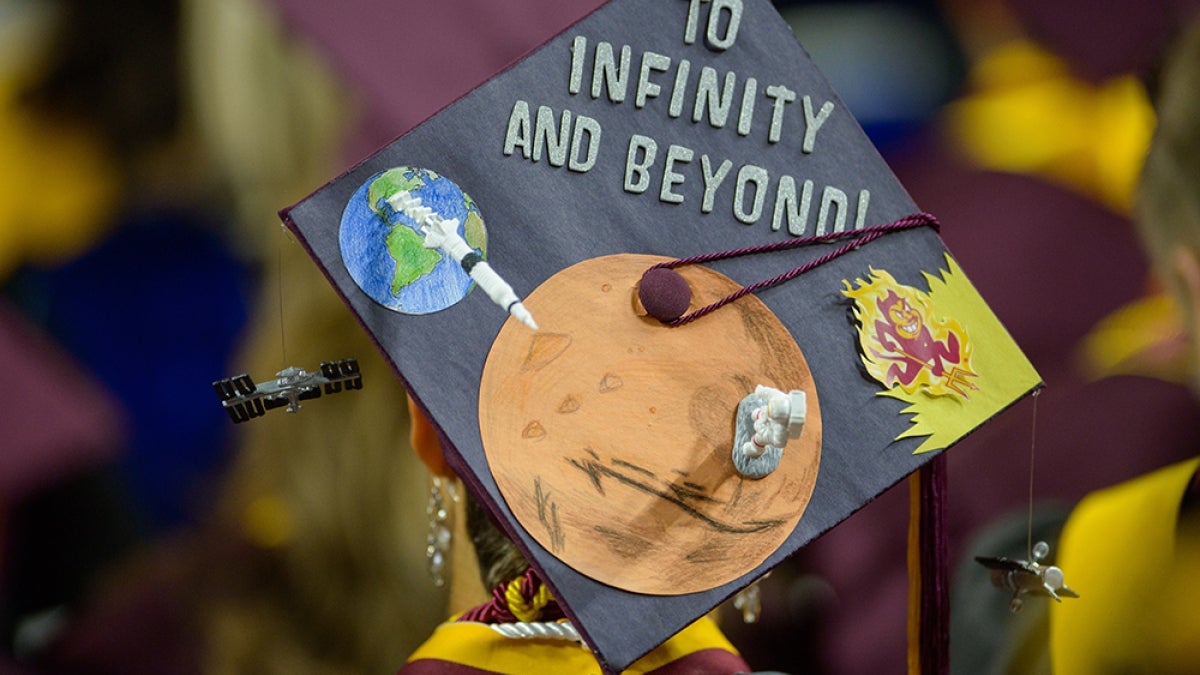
(244, 400)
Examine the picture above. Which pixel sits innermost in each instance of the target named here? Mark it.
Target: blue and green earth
(384, 250)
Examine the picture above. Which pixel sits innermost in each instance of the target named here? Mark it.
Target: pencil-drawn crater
(610, 382)
(533, 430)
(568, 405)
(543, 349)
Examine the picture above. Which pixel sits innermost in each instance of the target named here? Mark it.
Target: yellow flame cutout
(908, 343)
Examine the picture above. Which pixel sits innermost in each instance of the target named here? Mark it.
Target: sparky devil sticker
(904, 344)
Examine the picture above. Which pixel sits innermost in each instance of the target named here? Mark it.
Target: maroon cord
(863, 236)
(497, 609)
(935, 591)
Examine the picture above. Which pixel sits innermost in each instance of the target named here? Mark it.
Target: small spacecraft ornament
(244, 400)
(1025, 577)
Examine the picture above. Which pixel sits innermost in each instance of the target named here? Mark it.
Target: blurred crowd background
(146, 146)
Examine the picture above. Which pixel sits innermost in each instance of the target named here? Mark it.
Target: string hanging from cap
(665, 296)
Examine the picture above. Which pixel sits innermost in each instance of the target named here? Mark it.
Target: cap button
(664, 294)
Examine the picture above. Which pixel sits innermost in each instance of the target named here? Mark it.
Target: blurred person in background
(304, 550)
(325, 507)
(1136, 545)
(1029, 157)
(318, 533)
(95, 225)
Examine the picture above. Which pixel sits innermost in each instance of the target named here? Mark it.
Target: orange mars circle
(610, 434)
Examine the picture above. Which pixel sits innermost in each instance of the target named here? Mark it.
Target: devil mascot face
(914, 356)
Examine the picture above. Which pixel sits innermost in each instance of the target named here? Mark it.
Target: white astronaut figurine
(777, 419)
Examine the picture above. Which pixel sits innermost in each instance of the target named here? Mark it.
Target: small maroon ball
(664, 294)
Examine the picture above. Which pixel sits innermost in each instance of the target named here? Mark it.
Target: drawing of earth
(384, 250)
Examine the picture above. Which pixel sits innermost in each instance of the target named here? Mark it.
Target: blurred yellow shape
(268, 522)
(1028, 114)
(59, 186)
(1144, 337)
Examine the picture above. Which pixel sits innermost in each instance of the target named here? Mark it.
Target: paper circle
(384, 252)
(609, 433)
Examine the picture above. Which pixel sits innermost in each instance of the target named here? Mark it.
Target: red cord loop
(860, 237)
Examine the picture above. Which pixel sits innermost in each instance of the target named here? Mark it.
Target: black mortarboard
(619, 451)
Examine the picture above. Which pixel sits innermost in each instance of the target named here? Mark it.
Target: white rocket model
(442, 234)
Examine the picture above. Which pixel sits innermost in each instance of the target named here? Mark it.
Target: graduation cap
(663, 437)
